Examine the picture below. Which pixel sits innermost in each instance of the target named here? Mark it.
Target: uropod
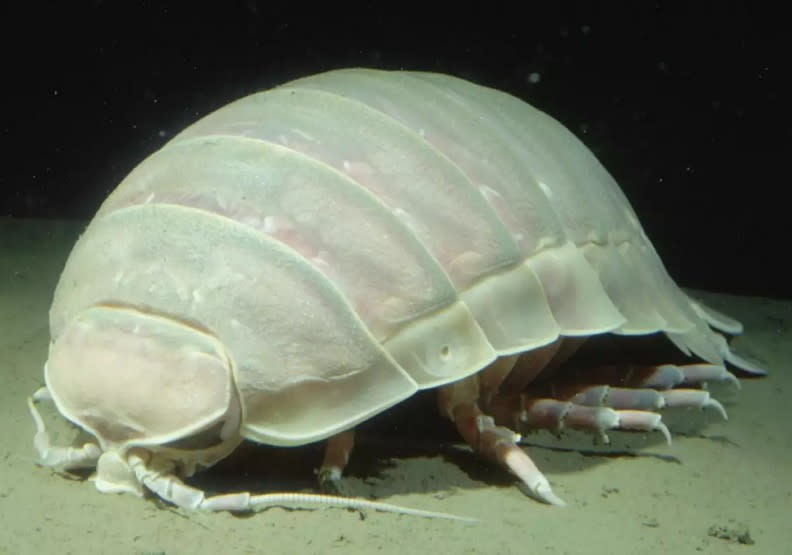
(304, 258)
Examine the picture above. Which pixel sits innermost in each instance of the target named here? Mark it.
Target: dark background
(684, 102)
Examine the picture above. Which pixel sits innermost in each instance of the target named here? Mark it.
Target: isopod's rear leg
(336, 456)
(620, 397)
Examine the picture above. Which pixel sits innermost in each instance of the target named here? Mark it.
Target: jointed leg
(59, 458)
(336, 455)
(458, 401)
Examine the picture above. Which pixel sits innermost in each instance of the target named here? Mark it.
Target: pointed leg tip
(541, 492)
(717, 406)
(552, 499)
(663, 429)
(329, 480)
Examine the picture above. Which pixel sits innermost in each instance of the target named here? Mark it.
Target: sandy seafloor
(637, 495)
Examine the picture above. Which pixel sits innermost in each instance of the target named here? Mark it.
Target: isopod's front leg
(336, 455)
(459, 402)
(59, 458)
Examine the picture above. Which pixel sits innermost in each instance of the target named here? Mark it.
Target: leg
(621, 397)
(458, 401)
(59, 458)
(336, 456)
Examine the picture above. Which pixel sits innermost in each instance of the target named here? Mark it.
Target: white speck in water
(270, 225)
(534, 77)
(347, 165)
(546, 190)
(149, 198)
(422, 132)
